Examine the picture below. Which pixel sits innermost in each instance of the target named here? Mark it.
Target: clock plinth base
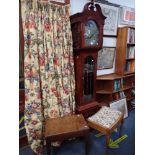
(88, 109)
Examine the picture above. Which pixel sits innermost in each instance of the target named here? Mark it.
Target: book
(127, 66)
(117, 85)
(131, 36)
(130, 53)
(121, 94)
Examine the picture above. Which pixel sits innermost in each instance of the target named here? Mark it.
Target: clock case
(84, 56)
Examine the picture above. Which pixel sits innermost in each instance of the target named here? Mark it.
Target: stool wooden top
(65, 125)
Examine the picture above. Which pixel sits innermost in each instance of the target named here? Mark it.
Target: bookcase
(113, 87)
(125, 51)
(120, 84)
(125, 61)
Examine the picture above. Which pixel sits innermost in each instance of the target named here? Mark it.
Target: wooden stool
(105, 121)
(63, 128)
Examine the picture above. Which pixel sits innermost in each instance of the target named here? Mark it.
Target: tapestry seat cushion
(106, 117)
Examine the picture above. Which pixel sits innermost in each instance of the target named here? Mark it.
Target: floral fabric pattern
(48, 66)
(105, 117)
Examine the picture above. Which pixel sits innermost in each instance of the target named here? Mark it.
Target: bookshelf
(113, 87)
(125, 51)
(125, 61)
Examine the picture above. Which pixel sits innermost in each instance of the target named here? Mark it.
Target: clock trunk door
(88, 79)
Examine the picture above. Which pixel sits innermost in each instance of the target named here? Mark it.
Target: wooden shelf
(127, 87)
(107, 92)
(128, 59)
(130, 44)
(126, 73)
(109, 77)
(103, 92)
(105, 86)
(112, 92)
(127, 26)
(114, 76)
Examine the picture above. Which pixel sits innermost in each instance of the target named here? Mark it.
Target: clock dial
(91, 33)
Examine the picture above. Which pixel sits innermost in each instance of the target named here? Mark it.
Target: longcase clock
(87, 32)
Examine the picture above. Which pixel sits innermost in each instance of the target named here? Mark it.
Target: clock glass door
(91, 33)
(88, 79)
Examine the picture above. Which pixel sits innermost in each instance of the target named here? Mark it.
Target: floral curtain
(48, 66)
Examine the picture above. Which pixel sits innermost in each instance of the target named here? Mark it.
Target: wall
(77, 6)
(129, 3)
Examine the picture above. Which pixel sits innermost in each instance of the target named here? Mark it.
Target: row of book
(129, 66)
(120, 83)
(121, 94)
(131, 36)
(117, 85)
(130, 53)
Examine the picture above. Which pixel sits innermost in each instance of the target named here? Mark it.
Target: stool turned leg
(120, 132)
(107, 140)
(48, 147)
(107, 136)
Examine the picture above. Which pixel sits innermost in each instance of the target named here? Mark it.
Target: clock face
(91, 33)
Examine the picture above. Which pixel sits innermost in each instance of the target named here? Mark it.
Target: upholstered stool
(105, 121)
(63, 128)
